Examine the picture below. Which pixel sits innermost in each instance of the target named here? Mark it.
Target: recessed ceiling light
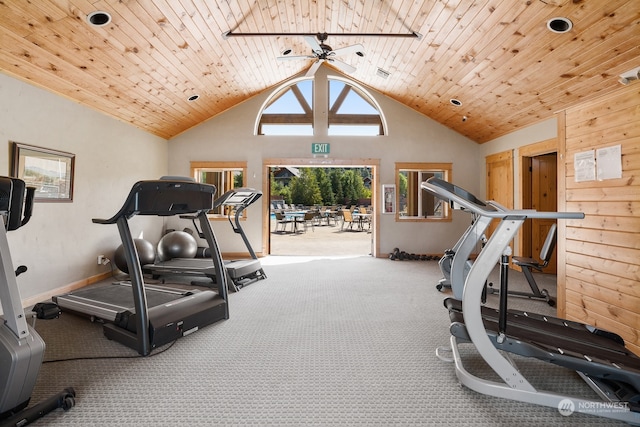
(98, 18)
(559, 25)
(193, 98)
(455, 102)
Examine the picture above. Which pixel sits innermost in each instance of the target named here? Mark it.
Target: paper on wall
(584, 164)
(609, 162)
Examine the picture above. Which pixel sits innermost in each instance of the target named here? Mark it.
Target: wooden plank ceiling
(496, 56)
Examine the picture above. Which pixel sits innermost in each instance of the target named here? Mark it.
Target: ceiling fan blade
(314, 67)
(349, 49)
(287, 58)
(313, 43)
(343, 65)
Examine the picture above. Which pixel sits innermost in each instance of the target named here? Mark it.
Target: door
(544, 197)
(499, 182)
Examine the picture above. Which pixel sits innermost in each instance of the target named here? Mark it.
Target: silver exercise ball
(177, 244)
(146, 254)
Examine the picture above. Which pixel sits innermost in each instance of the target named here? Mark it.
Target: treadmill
(240, 272)
(142, 316)
(600, 357)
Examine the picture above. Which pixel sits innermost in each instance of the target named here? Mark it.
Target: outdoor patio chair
(347, 218)
(282, 221)
(309, 218)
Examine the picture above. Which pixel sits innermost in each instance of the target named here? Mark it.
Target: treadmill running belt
(113, 299)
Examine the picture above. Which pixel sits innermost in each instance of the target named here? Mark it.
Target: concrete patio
(323, 240)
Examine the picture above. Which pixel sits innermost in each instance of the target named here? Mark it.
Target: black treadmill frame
(164, 197)
(240, 198)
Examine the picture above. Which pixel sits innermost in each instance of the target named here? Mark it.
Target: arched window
(350, 110)
(289, 111)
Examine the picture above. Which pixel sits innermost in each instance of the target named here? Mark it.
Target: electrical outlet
(101, 259)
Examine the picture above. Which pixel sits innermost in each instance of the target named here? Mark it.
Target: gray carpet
(324, 342)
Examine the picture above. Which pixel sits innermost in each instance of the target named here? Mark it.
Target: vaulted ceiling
(497, 57)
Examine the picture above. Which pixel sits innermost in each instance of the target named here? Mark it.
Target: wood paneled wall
(599, 272)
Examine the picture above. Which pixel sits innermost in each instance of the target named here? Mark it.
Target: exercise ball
(177, 244)
(146, 254)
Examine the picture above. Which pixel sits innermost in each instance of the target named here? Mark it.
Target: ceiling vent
(382, 73)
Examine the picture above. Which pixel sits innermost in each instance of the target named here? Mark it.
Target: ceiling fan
(321, 52)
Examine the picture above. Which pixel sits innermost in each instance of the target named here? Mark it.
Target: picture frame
(50, 171)
(389, 199)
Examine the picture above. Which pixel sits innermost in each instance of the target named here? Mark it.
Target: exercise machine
(455, 264)
(527, 264)
(600, 357)
(129, 317)
(241, 272)
(466, 244)
(21, 348)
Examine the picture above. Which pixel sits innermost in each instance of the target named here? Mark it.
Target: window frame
(337, 119)
(303, 119)
(197, 166)
(420, 167)
(332, 119)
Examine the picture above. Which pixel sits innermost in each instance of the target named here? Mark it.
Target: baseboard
(46, 296)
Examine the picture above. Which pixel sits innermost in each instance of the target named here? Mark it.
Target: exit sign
(320, 148)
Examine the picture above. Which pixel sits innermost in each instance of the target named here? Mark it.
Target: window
(350, 110)
(224, 175)
(289, 111)
(414, 203)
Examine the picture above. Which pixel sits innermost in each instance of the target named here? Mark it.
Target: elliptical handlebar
(28, 205)
(16, 202)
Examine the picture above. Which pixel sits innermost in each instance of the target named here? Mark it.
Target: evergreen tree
(277, 189)
(305, 189)
(353, 186)
(336, 184)
(326, 190)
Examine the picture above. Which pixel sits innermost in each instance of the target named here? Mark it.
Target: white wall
(412, 137)
(60, 243)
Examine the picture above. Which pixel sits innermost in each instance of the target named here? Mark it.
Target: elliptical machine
(455, 264)
(21, 348)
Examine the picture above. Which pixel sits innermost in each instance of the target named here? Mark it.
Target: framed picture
(49, 171)
(388, 198)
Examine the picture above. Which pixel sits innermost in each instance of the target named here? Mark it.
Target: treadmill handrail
(447, 191)
(165, 198)
(244, 196)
